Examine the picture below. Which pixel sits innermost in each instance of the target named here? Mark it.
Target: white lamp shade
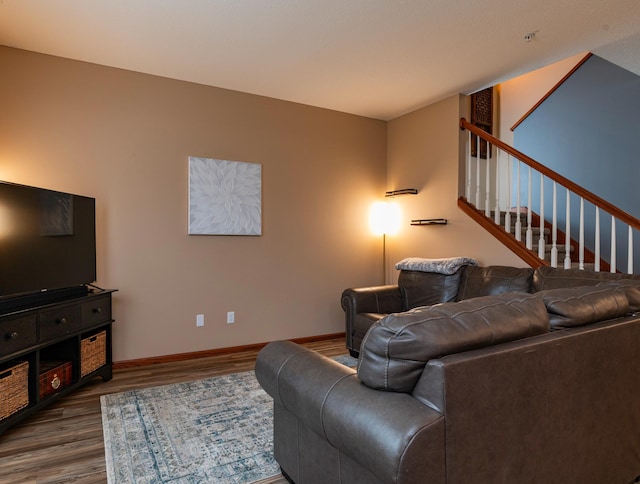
(384, 218)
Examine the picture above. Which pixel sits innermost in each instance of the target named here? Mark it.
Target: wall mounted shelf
(430, 221)
(403, 191)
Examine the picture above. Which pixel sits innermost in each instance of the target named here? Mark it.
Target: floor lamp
(384, 219)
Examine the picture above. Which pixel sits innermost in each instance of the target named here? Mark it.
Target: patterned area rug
(217, 430)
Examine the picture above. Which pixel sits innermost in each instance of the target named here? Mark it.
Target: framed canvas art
(225, 197)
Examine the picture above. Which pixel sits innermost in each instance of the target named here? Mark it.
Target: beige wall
(517, 96)
(125, 138)
(423, 153)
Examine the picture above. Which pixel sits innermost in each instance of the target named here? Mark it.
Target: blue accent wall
(589, 131)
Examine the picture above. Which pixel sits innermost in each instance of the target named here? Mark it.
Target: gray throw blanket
(441, 266)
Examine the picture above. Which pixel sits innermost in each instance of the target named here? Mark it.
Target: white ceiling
(376, 58)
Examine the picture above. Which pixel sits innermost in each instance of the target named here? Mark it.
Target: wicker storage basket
(14, 388)
(93, 353)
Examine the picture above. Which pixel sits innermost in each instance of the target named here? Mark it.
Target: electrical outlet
(199, 319)
(231, 317)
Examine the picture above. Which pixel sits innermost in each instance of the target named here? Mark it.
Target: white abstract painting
(224, 197)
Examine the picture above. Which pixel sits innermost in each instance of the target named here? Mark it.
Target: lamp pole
(384, 258)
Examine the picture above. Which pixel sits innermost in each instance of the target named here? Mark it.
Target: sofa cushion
(491, 280)
(553, 278)
(396, 348)
(577, 306)
(428, 288)
(631, 289)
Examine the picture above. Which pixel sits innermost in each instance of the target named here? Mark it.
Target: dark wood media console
(49, 349)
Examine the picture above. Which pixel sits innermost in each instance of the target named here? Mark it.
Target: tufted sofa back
(397, 348)
(428, 288)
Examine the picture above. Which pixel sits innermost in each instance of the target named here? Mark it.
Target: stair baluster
(630, 252)
(613, 244)
(541, 240)
(597, 241)
(581, 246)
(507, 217)
(478, 172)
(537, 249)
(487, 177)
(567, 234)
(518, 221)
(529, 236)
(468, 184)
(554, 229)
(496, 216)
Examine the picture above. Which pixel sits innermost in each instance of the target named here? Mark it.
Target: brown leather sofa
(364, 306)
(509, 388)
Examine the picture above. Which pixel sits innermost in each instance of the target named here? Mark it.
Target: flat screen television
(47, 242)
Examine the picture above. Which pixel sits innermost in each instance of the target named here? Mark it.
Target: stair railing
(507, 179)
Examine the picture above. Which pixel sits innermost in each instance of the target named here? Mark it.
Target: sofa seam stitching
(324, 400)
(415, 435)
(285, 362)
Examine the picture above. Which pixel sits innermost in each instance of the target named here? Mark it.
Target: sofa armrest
(375, 300)
(393, 435)
(536, 396)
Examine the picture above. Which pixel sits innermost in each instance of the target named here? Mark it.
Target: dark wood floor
(63, 442)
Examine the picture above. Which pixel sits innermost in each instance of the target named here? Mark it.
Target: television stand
(34, 299)
(50, 348)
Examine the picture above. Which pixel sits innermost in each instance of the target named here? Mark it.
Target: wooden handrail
(557, 177)
(551, 91)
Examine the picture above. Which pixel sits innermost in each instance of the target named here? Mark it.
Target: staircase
(541, 243)
(517, 199)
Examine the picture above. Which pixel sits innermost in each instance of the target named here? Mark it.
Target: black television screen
(47, 240)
